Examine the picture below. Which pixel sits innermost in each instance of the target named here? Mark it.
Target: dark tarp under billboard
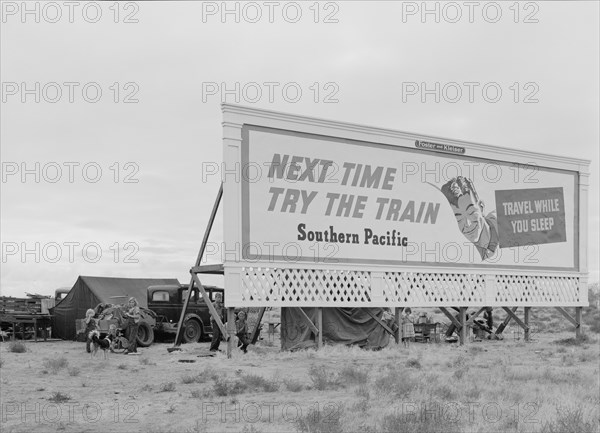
(350, 326)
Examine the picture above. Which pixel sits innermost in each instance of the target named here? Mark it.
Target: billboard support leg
(397, 312)
(463, 325)
(516, 319)
(320, 327)
(578, 330)
(526, 321)
(230, 330)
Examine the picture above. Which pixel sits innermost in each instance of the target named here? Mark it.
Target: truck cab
(167, 302)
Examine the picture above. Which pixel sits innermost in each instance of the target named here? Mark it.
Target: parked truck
(166, 301)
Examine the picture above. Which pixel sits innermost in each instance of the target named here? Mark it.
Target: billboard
(324, 199)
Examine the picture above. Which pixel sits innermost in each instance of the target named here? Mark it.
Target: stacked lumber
(8, 304)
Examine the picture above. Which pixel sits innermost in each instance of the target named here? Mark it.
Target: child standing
(241, 329)
(408, 328)
(90, 325)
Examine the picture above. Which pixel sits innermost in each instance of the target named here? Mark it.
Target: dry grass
(547, 386)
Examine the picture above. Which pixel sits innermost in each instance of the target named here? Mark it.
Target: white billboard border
(235, 117)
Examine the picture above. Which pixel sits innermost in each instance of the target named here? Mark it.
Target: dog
(99, 343)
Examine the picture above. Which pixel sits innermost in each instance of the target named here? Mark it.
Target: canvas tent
(340, 326)
(87, 292)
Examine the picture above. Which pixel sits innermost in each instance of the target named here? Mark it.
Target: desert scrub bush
(223, 387)
(351, 374)
(444, 392)
(188, 378)
(576, 341)
(201, 393)
(17, 347)
(55, 365)
(74, 371)
(122, 366)
(167, 387)
(400, 383)
(567, 360)
(144, 360)
(322, 379)
(460, 372)
(473, 393)
(458, 362)
(413, 363)
(363, 392)
(255, 382)
(327, 420)
(293, 385)
(417, 422)
(361, 405)
(570, 420)
(59, 397)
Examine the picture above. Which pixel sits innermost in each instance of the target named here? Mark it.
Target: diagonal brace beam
(381, 322)
(568, 316)
(504, 324)
(213, 311)
(451, 317)
(514, 317)
(309, 322)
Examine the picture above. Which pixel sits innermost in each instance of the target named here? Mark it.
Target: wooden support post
(526, 321)
(463, 324)
(230, 330)
(578, 330)
(398, 332)
(320, 327)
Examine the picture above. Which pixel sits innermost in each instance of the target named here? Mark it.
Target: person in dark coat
(216, 331)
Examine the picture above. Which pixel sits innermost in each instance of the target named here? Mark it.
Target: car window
(160, 296)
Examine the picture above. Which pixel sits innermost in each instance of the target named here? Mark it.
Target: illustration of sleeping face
(469, 216)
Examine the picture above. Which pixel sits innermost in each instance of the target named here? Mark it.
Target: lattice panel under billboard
(536, 290)
(342, 288)
(264, 286)
(422, 289)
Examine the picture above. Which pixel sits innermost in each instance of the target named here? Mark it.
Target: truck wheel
(145, 335)
(192, 331)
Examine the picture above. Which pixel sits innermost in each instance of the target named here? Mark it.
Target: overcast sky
(148, 207)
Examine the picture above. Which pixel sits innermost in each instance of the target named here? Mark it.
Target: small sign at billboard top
(440, 147)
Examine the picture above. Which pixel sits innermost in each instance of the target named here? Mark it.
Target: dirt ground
(549, 384)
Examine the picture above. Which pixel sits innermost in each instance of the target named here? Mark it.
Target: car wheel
(192, 331)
